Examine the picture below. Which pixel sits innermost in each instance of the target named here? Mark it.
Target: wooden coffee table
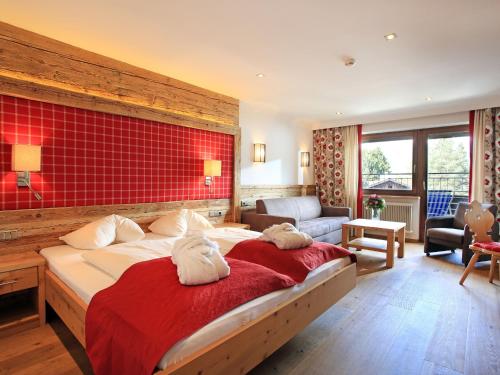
(390, 229)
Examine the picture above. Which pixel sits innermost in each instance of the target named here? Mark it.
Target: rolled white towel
(285, 236)
(198, 260)
(292, 240)
(194, 268)
(191, 242)
(269, 233)
(220, 264)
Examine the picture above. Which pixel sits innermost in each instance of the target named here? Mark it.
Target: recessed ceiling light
(390, 36)
(340, 113)
(428, 98)
(349, 61)
(260, 75)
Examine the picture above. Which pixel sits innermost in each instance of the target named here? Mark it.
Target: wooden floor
(412, 319)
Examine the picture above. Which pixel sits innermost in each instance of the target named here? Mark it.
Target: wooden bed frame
(237, 352)
(240, 350)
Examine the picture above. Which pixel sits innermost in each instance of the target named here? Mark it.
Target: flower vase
(375, 214)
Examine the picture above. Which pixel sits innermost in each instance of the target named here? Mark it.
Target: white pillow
(127, 230)
(94, 235)
(173, 224)
(198, 222)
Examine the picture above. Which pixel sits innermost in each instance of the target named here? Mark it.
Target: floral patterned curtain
(492, 159)
(328, 151)
(486, 156)
(336, 167)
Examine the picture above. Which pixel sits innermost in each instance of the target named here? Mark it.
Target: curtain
(360, 173)
(336, 166)
(485, 181)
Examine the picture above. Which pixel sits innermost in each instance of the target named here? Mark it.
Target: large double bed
(233, 343)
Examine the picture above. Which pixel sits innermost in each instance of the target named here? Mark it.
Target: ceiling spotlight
(339, 113)
(428, 98)
(260, 75)
(390, 36)
(349, 61)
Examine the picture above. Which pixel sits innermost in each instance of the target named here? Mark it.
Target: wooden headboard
(40, 228)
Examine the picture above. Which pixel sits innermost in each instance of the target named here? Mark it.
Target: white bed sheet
(225, 237)
(86, 280)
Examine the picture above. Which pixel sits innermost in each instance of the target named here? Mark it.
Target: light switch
(7, 235)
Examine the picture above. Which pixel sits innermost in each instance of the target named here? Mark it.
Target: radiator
(401, 209)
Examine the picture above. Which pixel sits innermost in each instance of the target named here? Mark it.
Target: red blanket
(130, 325)
(294, 263)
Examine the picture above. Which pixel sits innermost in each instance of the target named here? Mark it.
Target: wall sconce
(26, 159)
(259, 152)
(305, 159)
(211, 169)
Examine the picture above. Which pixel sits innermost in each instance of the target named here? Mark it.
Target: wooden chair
(480, 222)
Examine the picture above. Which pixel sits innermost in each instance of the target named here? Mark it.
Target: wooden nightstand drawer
(22, 292)
(21, 279)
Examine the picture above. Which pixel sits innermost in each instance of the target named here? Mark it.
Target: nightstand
(22, 292)
(232, 225)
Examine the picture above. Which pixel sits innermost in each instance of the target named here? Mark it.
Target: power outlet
(8, 235)
(215, 213)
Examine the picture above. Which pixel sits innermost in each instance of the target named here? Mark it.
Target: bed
(236, 341)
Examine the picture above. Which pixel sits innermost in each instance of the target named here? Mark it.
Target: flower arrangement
(375, 202)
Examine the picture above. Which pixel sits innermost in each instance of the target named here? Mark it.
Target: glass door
(447, 178)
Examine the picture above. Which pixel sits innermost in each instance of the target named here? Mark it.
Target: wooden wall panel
(250, 193)
(35, 91)
(40, 228)
(30, 62)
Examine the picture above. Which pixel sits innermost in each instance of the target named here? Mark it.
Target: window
(388, 164)
(447, 172)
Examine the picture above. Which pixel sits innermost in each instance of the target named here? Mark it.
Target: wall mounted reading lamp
(305, 159)
(211, 169)
(26, 159)
(259, 153)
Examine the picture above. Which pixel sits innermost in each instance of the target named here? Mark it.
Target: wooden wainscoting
(250, 193)
(39, 228)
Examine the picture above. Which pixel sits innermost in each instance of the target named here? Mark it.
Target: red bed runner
(130, 325)
(295, 263)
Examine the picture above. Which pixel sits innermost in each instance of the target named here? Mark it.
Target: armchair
(450, 232)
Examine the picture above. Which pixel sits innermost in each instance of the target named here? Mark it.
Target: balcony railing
(457, 183)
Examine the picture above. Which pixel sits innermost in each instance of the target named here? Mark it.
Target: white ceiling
(446, 49)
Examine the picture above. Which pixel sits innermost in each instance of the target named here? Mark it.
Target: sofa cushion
(459, 219)
(300, 208)
(446, 234)
(322, 225)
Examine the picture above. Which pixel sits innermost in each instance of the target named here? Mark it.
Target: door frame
(420, 149)
(423, 155)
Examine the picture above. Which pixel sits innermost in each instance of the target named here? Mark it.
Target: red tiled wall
(94, 158)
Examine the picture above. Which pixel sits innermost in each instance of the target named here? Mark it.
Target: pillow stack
(103, 232)
(115, 228)
(177, 223)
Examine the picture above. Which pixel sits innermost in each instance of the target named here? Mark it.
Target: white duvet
(114, 260)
